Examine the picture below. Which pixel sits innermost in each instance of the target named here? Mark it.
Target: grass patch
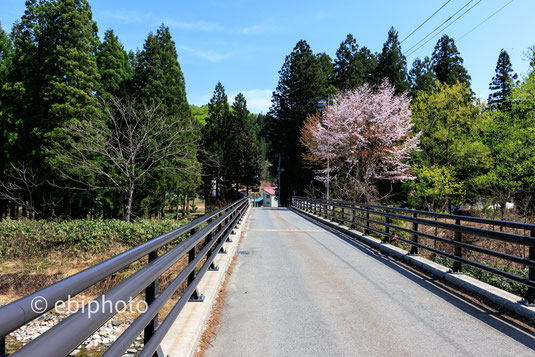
(25, 239)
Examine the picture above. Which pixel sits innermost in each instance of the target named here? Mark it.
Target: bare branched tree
(20, 185)
(125, 145)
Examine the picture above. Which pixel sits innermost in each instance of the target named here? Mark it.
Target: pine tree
(114, 67)
(422, 76)
(158, 75)
(5, 52)
(326, 66)
(392, 64)
(71, 74)
(158, 81)
(448, 64)
(502, 83)
(302, 84)
(5, 127)
(353, 66)
(243, 153)
(51, 83)
(54, 74)
(214, 136)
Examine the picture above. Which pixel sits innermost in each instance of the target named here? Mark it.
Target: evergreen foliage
(53, 73)
(353, 66)
(392, 64)
(158, 76)
(230, 150)
(5, 131)
(422, 76)
(302, 84)
(213, 136)
(448, 64)
(242, 153)
(159, 82)
(114, 67)
(502, 83)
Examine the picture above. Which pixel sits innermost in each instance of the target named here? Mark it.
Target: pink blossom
(363, 133)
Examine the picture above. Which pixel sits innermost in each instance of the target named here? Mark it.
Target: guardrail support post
(151, 292)
(3, 346)
(352, 219)
(367, 231)
(387, 230)
(212, 266)
(191, 256)
(457, 266)
(530, 294)
(414, 249)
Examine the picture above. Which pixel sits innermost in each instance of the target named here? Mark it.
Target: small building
(269, 197)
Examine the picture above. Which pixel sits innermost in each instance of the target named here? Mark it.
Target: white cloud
(211, 56)
(252, 30)
(126, 16)
(321, 15)
(137, 17)
(193, 25)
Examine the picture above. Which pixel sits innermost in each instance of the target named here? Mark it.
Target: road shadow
(445, 291)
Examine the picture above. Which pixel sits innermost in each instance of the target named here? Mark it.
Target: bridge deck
(304, 291)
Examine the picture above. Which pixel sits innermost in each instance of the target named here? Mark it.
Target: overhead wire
(451, 23)
(423, 23)
(482, 22)
(439, 26)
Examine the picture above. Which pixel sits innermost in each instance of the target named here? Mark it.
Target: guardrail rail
(384, 219)
(207, 234)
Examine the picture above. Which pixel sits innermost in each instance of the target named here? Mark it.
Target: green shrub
(27, 239)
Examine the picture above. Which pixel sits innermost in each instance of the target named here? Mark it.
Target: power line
(423, 23)
(436, 28)
(482, 22)
(454, 21)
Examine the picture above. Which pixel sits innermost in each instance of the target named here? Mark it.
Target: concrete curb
(494, 294)
(185, 333)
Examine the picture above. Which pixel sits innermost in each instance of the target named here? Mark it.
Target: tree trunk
(128, 211)
(177, 207)
(187, 207)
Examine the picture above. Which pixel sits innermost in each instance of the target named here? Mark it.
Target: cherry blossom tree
(363, 135)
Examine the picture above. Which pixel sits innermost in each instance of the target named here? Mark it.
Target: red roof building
(269, 196)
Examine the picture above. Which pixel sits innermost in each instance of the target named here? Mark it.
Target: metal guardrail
(201, 247)
(363, 215)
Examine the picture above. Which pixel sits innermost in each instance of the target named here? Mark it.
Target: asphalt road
(300, 290)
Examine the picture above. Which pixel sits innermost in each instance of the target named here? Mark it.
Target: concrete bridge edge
(183, 337)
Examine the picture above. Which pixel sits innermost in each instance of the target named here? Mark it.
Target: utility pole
(279, 184)
(328, 178)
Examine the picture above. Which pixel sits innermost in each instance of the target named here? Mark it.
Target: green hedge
(27, 239)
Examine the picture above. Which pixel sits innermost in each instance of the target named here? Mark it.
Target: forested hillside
(90, 129)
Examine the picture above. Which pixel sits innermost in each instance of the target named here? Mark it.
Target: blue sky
(243, 43)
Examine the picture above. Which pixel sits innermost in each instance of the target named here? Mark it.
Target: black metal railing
(207, 234)
(383, 220)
